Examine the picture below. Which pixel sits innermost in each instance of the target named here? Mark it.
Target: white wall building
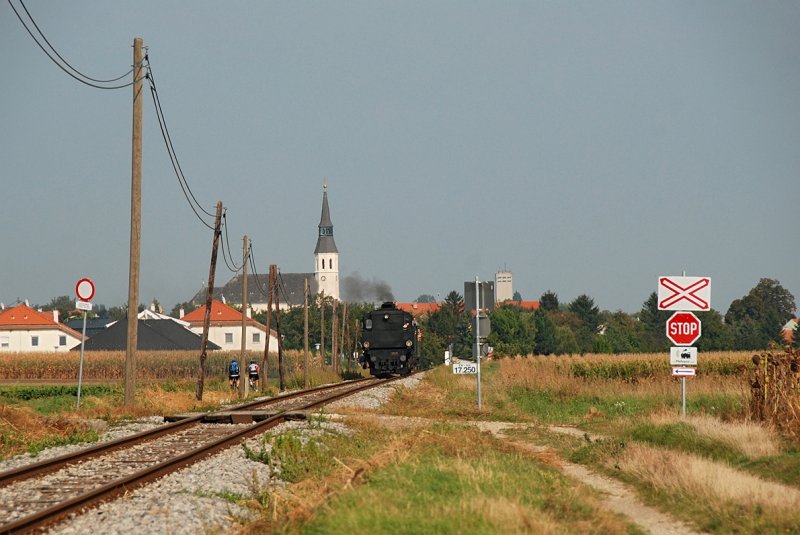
(503, 286)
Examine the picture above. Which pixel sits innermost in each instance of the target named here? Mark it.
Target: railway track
(40, 494)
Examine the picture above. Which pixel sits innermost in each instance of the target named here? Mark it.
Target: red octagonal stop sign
(683, 328)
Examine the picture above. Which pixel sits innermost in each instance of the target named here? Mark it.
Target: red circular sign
(683, 328)
(84, 289)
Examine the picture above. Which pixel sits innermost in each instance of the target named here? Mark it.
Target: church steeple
(325, 242)
(326, 256)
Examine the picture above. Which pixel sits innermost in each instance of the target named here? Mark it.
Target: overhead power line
(69, 69)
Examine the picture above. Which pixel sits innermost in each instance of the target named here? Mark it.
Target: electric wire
(227, 243)
(282, 288)
(261, 288)
(59, 65)
(67, 63)
(162, 123)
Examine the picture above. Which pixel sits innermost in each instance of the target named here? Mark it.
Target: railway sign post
(85, 291)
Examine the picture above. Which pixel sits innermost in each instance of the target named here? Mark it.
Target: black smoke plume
(357, 289)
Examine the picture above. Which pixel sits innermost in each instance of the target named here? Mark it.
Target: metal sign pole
(478, 335)
(683, 397)
(80, 366)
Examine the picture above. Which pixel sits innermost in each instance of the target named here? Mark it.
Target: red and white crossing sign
(684, 293)
(683, 328)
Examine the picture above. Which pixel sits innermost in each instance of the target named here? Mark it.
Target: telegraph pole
(335, 337)
(243, 390)
(322, 326)
(305, 333)
(136, 226)
(270, 293)
(209, 299)
(281, 377)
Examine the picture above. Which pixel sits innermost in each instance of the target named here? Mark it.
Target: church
(324, 279)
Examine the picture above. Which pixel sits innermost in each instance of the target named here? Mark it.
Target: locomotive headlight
(366, 344)
(409, 343)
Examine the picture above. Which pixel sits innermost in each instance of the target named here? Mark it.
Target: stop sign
(683, 328)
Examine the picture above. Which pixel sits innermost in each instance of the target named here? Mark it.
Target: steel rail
(110, 490)
(56, 463)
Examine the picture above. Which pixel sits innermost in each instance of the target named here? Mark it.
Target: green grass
(464, 483)
(78, 437)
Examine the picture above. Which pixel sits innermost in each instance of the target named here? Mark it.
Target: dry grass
(646, 373)
(749, 438)
(713, 482)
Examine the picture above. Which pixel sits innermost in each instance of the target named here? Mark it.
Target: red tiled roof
(527, 305)
(418, 309)
(23, 317)
(220, 314)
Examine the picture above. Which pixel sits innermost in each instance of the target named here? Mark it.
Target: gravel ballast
(201, 498)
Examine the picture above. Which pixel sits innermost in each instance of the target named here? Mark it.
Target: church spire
(325, 242)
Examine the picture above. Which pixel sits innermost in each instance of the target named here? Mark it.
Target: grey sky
(589, 147)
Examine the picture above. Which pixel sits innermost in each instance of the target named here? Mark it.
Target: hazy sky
(588, 147)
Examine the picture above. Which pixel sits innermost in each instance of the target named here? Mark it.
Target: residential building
(503, 286)
(225, 328)
(23, 329)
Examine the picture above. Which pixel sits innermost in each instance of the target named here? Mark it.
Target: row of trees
(751, 323)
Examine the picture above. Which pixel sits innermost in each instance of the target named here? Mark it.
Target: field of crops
(109, 366)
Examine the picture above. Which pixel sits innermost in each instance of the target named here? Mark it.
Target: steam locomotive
(388, 341)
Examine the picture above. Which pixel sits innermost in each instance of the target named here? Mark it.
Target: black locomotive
(388, 341)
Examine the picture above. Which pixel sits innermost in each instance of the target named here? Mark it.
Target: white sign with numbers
(465, 368)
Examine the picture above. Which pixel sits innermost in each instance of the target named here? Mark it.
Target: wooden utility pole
(345, 339)
(270, 293)
(136, 226)
(209, 299)
(322, 326)
(335, 337)
(281, 376)
(305, 333)
(243, 386)
(264, 367)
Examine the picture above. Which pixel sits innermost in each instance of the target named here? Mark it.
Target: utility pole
(322, 325)
(270, 292)
(243, 386)
(136, 226)
(209, 298)
(281, 377)
(305, 333)
(343, 347)
(335, 337)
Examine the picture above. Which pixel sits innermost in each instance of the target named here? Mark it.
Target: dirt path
(618, 497)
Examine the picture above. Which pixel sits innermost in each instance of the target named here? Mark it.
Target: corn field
(109, 366)
(775, 391)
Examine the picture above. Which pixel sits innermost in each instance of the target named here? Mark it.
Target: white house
(225, 328)
(23, 329)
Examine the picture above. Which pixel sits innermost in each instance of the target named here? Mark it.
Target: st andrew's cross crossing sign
(683, 328)
(684, 293)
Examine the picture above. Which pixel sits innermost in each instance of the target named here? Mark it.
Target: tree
(622, 334)
(756, 319)
(63, 303)
(513, 331)
(654, 325)
(549, 301)
(545, 333)
(565, 341)
(451, 324)
(425, 298)
(517, 297)
(716, 335)
(584, 309)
